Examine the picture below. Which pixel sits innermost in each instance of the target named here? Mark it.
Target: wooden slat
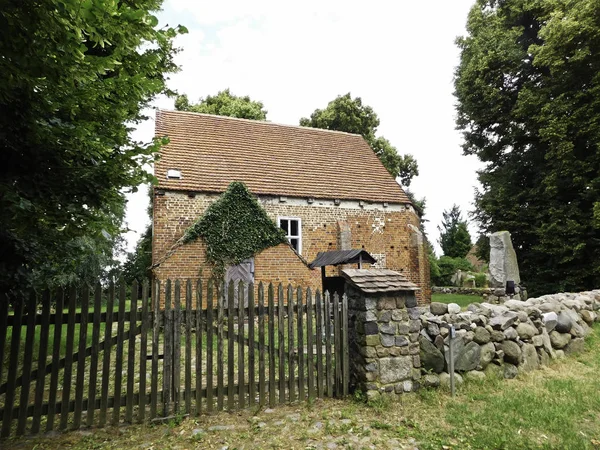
(42, 356)
(209, 347)
(168, 351)
(15, 345)
(119, 355)
(60, 302)
(188, 347)
(177, 348)
(27, 362)
(261, 346)
(241, 345)
(83, 328)
(290, 319)
(95, 351)
(328, 359)
(143, 352)
(156, 310)
(251, 348)
(230, 345)
(337, 344)
(310, 365)
(281, 342)
(300, 328)
(68, 371)
(319, 343)
(131, 353)
(199, 333)
(271, 311)
(220, 343)
(3, 331)
(346, 347)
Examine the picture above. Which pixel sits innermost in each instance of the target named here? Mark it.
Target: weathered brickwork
(378, 231)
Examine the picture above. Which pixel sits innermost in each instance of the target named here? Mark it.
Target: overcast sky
(398, 56)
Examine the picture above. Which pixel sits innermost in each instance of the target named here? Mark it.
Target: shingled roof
(212, 151)
(378, 280)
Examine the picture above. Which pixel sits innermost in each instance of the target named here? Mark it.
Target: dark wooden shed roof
(336, 257)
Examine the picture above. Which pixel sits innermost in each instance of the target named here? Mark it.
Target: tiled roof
(212, 151)
(378, 280)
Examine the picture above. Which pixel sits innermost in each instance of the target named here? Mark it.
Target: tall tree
(224, 104)
(350, 115)
(455, 239)
(74, 78)
(528, 90)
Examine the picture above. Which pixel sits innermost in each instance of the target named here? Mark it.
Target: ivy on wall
(235, 228)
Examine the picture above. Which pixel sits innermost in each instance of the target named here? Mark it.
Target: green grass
(462, 300)
(557, 407)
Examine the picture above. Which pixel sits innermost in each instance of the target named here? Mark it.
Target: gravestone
(503, 260)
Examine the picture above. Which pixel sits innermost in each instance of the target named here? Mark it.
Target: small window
(174, 174)
(292, 226)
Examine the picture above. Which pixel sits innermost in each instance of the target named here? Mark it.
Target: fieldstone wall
(384, 342)
(489, 295)
(504, 339)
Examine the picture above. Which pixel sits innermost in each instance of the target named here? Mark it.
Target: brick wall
(390, 231)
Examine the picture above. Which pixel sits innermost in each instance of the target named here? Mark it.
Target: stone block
(372, 340)
(400, 302)
(368, 352)
(382, 351)
(401, 341)
(371, 328)
(399, 315)
(386, 303)
(438, 308)
(410, 301)
(512, 352)
(387, 340)
(395, 351)
(431, 357)
(559, 340)
(395, 369)
(531, 360)
(403, 328)
(385, 316)
(414, 326)
(387, 328)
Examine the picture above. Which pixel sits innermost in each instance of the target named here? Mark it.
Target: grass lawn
(460, 299)
(557, 407)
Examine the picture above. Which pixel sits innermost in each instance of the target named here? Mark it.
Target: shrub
(480, 280)
(448, 267)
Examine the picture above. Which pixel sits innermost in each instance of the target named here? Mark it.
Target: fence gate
(88, 357)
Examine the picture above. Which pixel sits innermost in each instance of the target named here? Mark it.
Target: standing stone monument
(503, 260)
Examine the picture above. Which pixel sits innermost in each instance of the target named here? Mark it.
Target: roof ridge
(261, 122)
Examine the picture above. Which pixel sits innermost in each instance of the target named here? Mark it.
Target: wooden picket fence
(184, 350)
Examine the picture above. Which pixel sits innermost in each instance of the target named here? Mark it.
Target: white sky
(398, 56)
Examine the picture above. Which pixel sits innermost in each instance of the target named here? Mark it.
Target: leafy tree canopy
(74, 78)
(224, 104)
(455, 239)
(350, 115)
(528, 90)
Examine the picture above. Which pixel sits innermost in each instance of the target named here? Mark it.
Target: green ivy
(235, 228)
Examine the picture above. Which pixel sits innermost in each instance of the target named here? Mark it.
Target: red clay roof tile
(212, 151)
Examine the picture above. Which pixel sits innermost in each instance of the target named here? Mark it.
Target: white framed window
(292, 226)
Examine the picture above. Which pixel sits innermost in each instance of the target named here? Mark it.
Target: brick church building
(326, 189)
